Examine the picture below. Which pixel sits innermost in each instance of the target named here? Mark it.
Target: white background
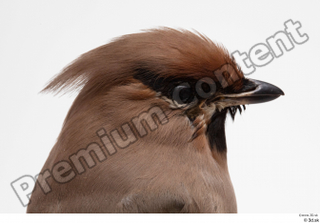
(273, 148)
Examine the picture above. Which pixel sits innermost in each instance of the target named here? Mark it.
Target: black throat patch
(216, 131)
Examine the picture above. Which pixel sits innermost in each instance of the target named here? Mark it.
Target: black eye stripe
(166, 86)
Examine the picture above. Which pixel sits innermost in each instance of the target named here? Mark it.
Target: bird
(146, 131)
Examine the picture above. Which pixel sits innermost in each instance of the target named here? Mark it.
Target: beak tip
(280, 92)
(276, 90)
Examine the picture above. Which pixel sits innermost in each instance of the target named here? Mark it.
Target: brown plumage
(178, 167)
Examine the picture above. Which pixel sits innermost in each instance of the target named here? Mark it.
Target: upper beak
(263, 92)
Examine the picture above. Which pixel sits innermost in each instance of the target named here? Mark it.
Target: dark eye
(186, 95)
(183, 94)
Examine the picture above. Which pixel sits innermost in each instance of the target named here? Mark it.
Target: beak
(263, 92)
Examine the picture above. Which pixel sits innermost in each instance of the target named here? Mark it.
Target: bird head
(194, 81)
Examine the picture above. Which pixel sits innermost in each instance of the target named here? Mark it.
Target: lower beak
(263, 92)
